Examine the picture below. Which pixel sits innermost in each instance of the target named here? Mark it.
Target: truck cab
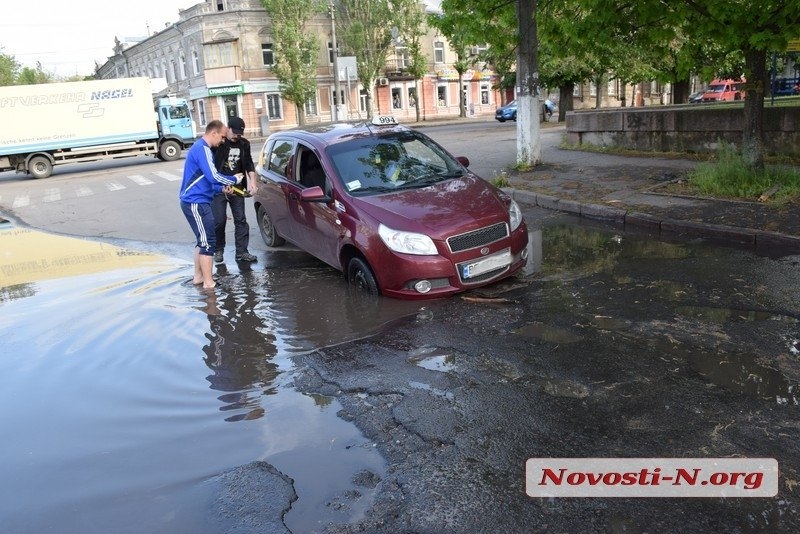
(176, 127)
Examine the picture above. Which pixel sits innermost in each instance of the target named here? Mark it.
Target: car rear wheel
(268, 233)
(501, 119)
(360, 275)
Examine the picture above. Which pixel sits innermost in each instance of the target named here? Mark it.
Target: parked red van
(719, 90)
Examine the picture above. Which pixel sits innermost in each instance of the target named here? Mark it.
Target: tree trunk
(529, 149)
(565, 102)
(753, 127)
(623, 97)
(680, 91)
(598, 96)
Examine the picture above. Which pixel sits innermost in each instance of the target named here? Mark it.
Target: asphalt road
(612, 346)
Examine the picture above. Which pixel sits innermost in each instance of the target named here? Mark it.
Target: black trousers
(241, 230)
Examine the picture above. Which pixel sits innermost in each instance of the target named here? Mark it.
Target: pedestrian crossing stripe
(54, 194)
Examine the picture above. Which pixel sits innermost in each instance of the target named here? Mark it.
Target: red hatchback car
(390, 208)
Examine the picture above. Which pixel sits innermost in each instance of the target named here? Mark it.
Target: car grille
(478, 238)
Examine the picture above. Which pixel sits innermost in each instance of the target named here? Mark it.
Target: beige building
(219, 53)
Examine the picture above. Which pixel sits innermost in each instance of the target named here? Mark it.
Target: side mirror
(314, 194)
(464, 160)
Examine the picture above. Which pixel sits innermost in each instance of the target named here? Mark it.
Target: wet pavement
(285, 401)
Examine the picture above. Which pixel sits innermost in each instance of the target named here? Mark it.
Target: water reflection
(239, 354)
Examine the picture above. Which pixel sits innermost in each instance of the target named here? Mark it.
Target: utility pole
(337, 111)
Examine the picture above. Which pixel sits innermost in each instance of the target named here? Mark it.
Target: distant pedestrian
(200, 181)
(549, 107)
(233, 156)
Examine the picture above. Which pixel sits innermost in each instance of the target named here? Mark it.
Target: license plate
(484, 265)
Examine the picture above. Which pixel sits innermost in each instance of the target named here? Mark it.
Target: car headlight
(514, 215)
(407, 242)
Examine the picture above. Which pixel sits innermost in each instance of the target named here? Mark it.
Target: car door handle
(293, 196)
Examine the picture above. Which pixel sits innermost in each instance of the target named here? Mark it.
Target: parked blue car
(507, 112)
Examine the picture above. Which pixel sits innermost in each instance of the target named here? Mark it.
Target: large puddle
(125, 388)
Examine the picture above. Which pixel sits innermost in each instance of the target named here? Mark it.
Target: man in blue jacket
(201, 181)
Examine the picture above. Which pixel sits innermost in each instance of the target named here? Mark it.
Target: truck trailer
(56, 123)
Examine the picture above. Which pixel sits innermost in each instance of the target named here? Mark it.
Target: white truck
(56, 123)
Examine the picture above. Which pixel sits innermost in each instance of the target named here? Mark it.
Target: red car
(390, 208)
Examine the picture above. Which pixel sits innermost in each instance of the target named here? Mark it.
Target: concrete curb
(651, 223)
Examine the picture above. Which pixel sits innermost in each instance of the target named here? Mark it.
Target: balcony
(223, 75)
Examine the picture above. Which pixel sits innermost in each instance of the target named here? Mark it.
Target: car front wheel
(268, 233)
(360, 275)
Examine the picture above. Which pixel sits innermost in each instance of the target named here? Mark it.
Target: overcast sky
(67, 37)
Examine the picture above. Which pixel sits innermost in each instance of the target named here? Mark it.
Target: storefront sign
(226, 90)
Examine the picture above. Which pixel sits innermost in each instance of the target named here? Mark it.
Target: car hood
(440, 210)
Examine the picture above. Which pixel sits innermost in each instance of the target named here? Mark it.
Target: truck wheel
(268, 233)
(360, 275)
(40, 167)
(169, 151)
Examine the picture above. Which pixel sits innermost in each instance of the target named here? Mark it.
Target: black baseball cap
(236, 124)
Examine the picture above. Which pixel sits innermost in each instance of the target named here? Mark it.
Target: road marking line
(168, 176)
(83, 191)
(21, 201)
(114, 186)
(139, 179)
(51, 195)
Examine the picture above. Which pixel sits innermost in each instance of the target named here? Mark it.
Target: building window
(438, 52)
(592, 89)
(362, 100)
(441, 95)
(218, 55)
(196, 62)
(576, 90)
(174, 71)
(612, 87)
(412, 97)
(201, 112)
(267, 54)
(397, 100)
(335, 101)
(484, 94)
(274, 107)
(402, 60)
(311, 108)
(182, 65)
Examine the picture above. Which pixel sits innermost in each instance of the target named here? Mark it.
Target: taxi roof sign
(384, 120)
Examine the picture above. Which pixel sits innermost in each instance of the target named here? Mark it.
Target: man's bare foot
(212, 286)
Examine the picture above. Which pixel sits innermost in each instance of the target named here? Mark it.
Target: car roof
(329, 134)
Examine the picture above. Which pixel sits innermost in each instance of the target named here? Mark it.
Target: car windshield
(401, 160)
(716, 88)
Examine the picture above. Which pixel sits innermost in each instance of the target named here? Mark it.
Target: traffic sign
(793, 46)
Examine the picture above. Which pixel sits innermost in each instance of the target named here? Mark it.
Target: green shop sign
(226, 90)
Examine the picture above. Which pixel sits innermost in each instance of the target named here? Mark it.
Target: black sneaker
(247, 257)
(218, 257)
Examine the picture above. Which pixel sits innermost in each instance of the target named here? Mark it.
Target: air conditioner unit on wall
(383, 81)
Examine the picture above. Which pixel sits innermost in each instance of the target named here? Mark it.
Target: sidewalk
(630, 191)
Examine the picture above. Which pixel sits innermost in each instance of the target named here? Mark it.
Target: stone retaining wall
(687, 128)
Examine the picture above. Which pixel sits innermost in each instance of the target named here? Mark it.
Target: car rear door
(276, 184)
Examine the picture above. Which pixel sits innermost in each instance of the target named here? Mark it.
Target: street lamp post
(337, 111)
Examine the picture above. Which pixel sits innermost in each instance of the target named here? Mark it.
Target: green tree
(364, 30)
(411, 31)
(296, 49)
(9, 69)
(30, 76)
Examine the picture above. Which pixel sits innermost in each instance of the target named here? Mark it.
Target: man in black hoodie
(231, 157)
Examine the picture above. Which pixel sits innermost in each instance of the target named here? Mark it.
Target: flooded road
(126, 390)
(129, 396)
